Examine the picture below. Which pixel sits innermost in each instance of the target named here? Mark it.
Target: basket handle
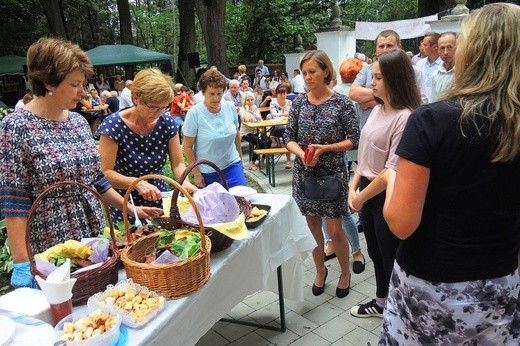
(177, 187)
(174, 209)
(32, 213)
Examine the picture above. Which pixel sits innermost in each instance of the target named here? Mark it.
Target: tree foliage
(250, 29)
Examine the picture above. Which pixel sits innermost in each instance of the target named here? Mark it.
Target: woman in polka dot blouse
(135, 141)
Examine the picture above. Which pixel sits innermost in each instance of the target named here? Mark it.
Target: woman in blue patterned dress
(135, 141)
(326, 121)
(44, 144)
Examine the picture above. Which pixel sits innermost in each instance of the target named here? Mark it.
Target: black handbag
(322, 188)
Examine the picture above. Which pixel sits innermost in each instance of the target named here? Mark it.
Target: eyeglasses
(156, 108)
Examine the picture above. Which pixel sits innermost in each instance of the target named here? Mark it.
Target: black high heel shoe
(342, 292)
(319, 290)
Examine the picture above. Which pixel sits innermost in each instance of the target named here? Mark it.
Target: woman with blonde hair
(455, 199)
(249, 112)
(136, 141)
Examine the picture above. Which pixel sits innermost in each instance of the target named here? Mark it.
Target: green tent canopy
(11, 64)
(125, 54)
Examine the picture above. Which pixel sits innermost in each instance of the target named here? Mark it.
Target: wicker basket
(91, 281)
(172, 280)
(219, 241)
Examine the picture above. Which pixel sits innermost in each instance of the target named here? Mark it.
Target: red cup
(309, 155)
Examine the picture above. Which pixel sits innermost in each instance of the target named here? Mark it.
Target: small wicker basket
(172, 280)
(91, 281)
(219, 241)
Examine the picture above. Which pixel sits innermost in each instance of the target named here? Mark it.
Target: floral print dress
(36, 153)
(330, 122)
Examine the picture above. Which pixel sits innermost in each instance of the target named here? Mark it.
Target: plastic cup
(61, 310)
(59, 297)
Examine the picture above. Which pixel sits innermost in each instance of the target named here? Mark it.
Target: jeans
(350, 229)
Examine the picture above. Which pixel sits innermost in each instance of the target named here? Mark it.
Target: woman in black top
(455, 199)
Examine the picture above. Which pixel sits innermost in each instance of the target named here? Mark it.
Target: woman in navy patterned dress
(135, 141)
(326, 121)
(44, 144)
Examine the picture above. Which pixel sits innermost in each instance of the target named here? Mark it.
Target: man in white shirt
(233, 94)
(298, 84)
(432, 61)
(125, 99)
(443, 78)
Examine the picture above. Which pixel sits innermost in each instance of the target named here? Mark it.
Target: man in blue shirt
(432, 62)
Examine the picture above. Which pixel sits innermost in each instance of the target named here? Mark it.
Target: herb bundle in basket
(179, 245)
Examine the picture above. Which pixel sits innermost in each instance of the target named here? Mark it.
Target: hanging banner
(408, 28)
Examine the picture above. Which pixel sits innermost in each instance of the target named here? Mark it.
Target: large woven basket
(219, 241)
(172, 280)
(91, 281)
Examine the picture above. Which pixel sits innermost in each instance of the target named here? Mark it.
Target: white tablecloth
(246, 267)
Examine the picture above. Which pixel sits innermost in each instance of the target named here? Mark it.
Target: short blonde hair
(151, 85)
(177, 87)
(245, 95)
(105, 94)
(242, 69)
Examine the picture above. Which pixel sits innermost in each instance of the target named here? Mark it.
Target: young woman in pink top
(397, 94)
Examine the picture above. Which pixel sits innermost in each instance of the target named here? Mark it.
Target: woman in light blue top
(211, 132)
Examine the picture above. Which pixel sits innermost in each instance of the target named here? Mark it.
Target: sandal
(252, 167)
(288, 165)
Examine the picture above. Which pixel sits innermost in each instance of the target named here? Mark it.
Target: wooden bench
(270, 161)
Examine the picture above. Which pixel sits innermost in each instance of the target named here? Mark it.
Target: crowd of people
(436, 183)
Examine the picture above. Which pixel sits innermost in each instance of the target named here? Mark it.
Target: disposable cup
(59, 296)
(61, 310)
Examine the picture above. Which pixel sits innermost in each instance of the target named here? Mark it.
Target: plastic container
(97, 301)
(254, 224)
(109, 338)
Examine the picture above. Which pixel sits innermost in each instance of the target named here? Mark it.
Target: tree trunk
(212, 15)
(125, 22)
(125, 27)
(187, 39)
(52, 10)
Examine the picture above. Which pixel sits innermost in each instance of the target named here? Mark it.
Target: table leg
(271, 177)
(281, 304)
